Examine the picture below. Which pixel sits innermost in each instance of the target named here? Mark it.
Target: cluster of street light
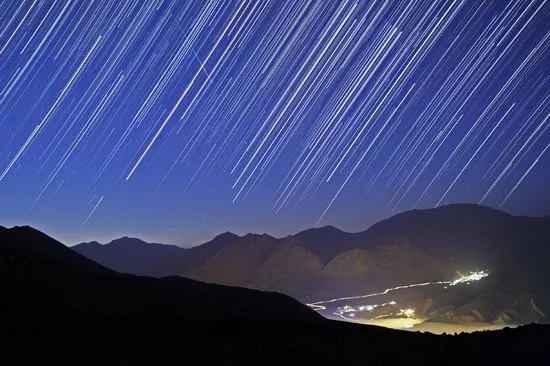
(348, 311)
(472, 276)
(351, 310)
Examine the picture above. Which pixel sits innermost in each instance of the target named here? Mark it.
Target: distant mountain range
(132, 255)
(61, 308)
(413, 247)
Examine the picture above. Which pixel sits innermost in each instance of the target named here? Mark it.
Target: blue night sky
(175, 120)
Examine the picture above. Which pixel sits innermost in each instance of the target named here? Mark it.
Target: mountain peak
(257, 236)
(455, 211)
(91, 244)
(126, 240)
(132, 255)
(22, 228)
(323, 230)
(29, 243)
(227, 235)
(462, 208)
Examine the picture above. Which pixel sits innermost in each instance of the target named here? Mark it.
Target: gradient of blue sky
(175, 121)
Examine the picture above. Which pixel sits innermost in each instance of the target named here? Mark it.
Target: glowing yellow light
(407, 312)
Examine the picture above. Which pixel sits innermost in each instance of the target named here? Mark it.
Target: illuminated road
(472, 276)
(403, 318)
(317, 305)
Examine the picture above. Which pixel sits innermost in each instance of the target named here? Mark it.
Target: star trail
(178, 119)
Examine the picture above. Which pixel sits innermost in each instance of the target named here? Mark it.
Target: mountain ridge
(61, 306)
(133, 255)
(415, 246)
(417, 227)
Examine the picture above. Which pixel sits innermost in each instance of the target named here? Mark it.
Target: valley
(458, 267)
(366, 309)
(65, 306)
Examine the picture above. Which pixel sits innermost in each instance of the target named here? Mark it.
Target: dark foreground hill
(59, 308)
(44, 275)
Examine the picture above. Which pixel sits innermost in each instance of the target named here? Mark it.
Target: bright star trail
(177, 120)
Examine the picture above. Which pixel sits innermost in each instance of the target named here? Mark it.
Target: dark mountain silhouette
(31, 245)
(61, 308)
(132, 255)
(477, 234)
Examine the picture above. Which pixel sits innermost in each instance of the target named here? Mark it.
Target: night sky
(174, 120)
